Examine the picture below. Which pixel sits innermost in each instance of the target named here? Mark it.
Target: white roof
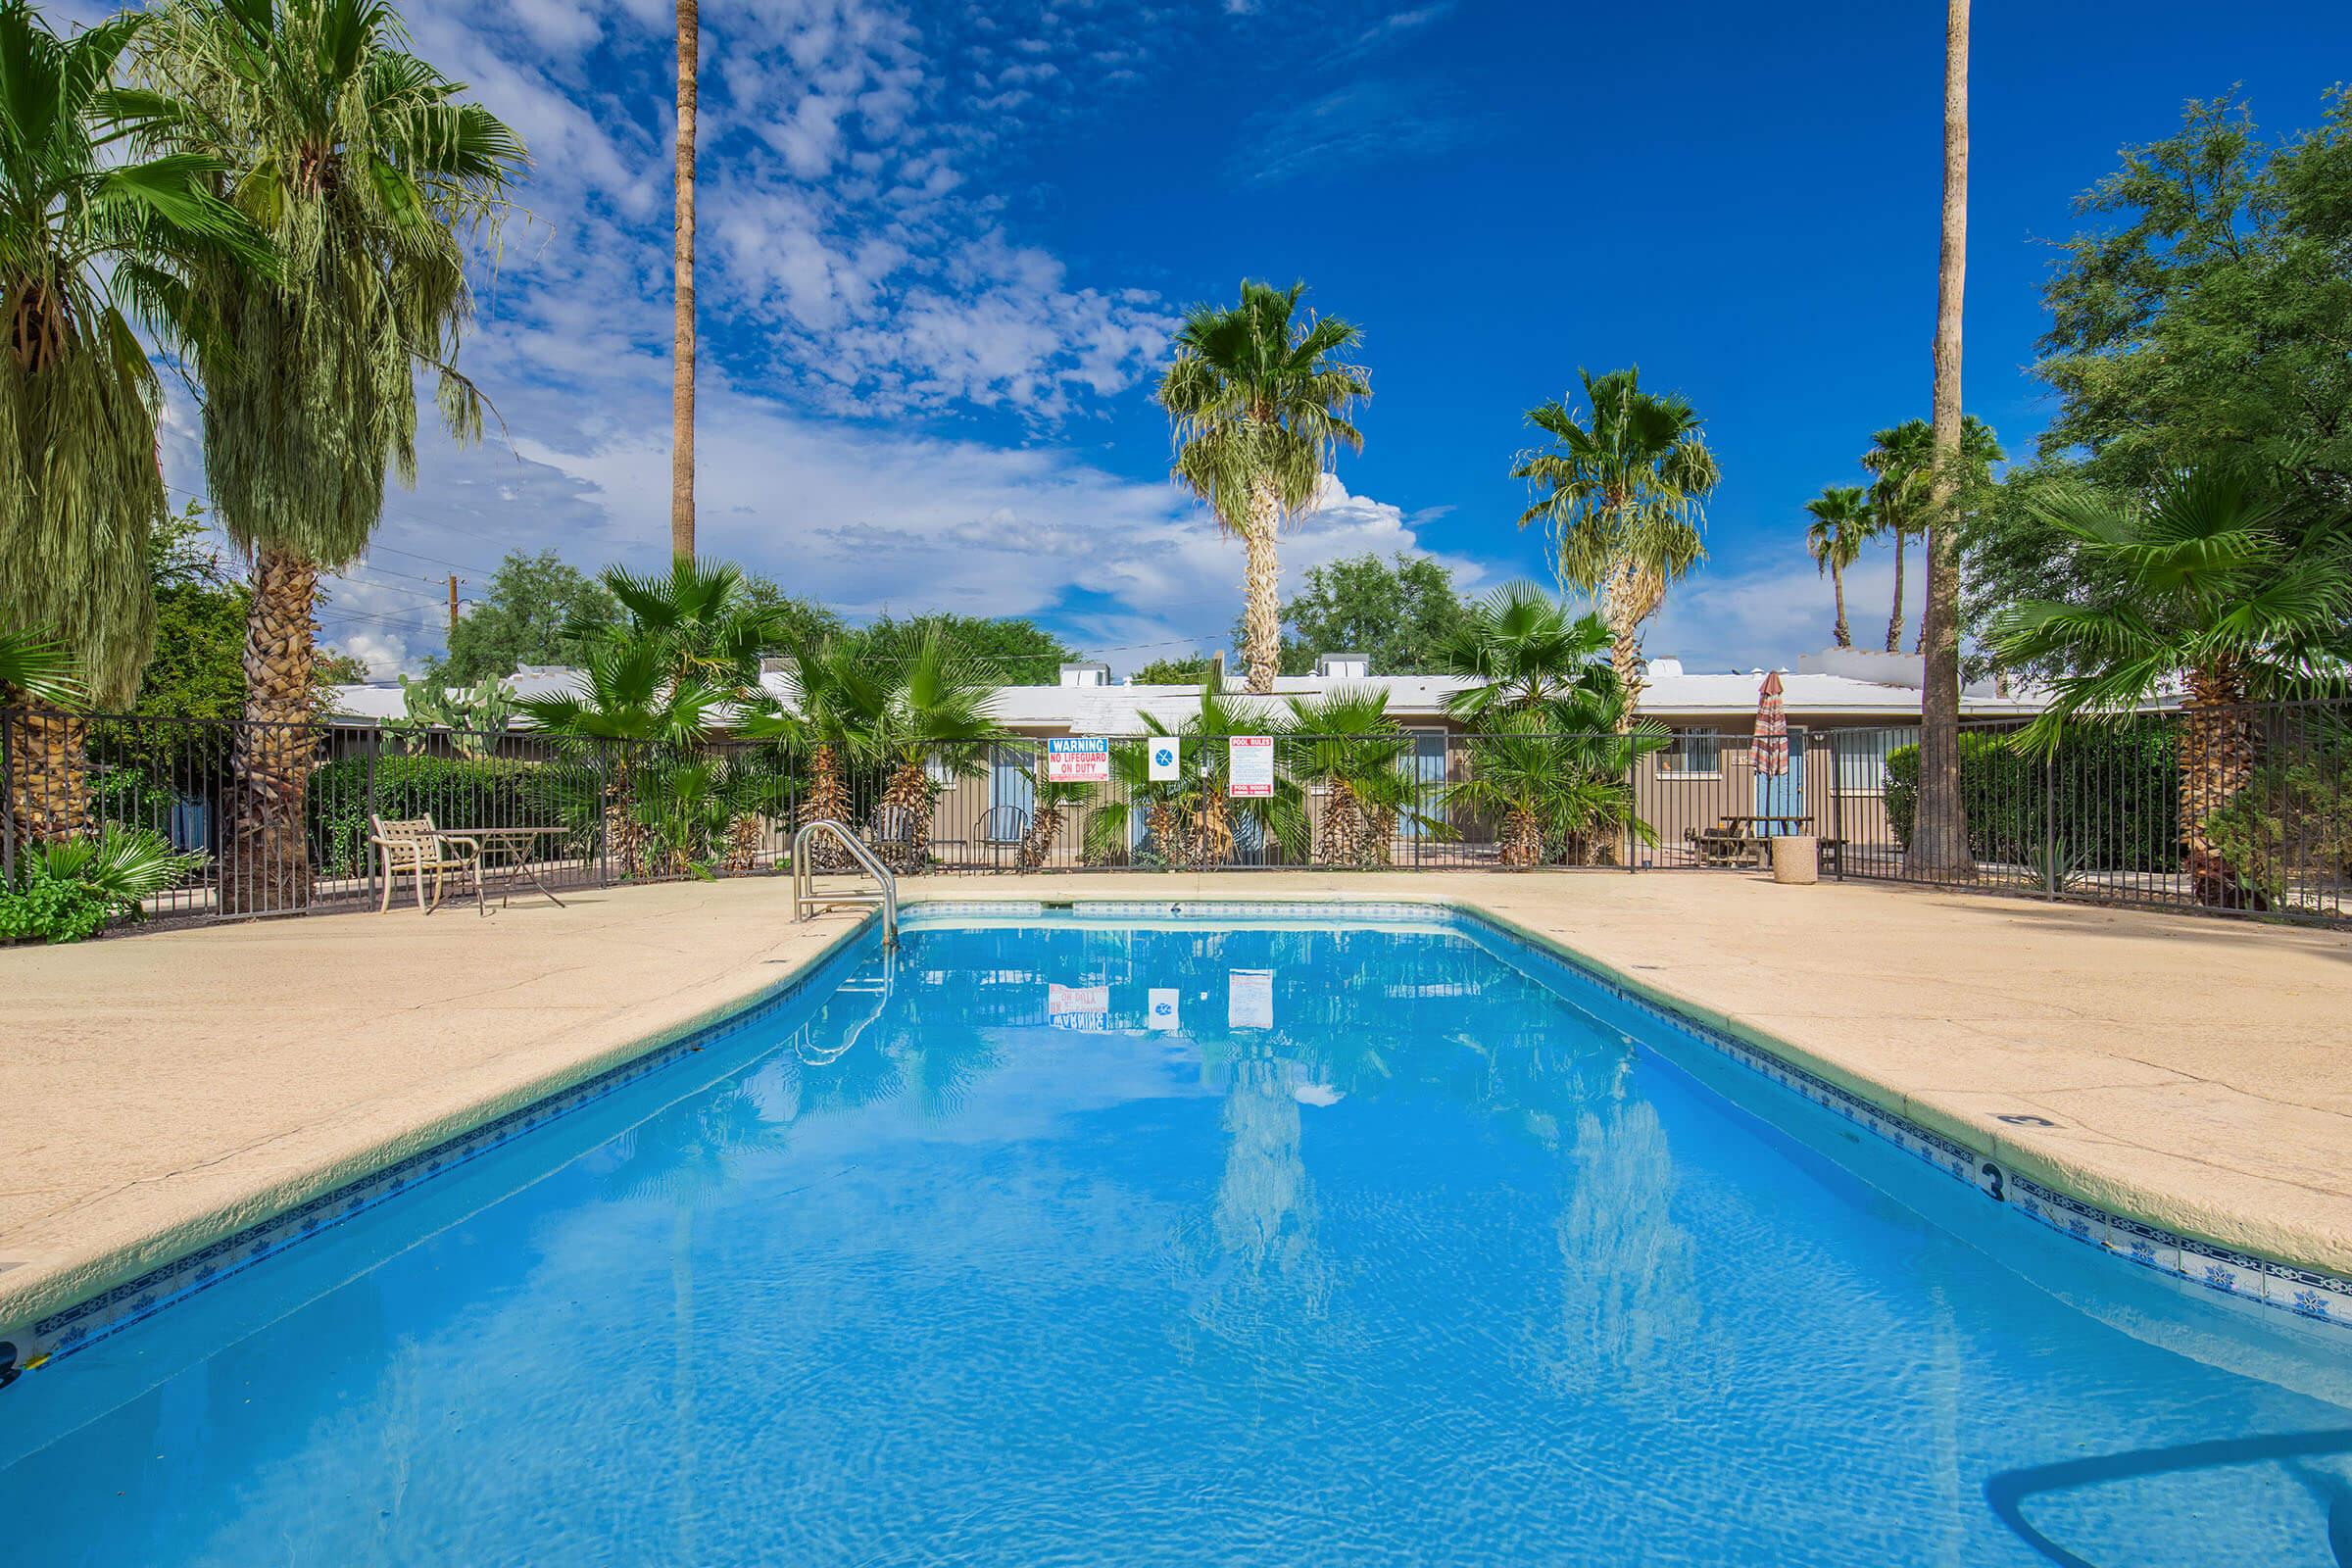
(1120, 710)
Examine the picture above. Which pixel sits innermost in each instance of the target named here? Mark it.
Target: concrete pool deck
(164, 1091)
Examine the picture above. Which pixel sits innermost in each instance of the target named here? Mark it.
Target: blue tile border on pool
(87, 1321)
(2309, 1295)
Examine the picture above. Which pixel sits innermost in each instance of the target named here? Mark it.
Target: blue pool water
(1178, 1244)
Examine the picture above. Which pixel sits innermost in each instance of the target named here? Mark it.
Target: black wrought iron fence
(2247, 810)
(2243, 809)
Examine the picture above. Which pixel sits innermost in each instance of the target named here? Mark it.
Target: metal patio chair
(413, 847)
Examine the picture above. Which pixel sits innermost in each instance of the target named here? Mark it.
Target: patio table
(515, 863)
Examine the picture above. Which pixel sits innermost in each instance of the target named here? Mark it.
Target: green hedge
(454, 792)
(2113, 788)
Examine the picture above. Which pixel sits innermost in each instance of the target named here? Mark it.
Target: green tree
(1395, 613)
(1190, 671)
(370, 176)
(198, 669)
(1842, 522)
(2207, 314)
(2240, 590)
(1259, 403)
(1622, 491)
(93, 245)
(536, 611)
(1006, 650)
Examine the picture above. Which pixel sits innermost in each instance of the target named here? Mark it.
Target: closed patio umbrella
(1772, 729)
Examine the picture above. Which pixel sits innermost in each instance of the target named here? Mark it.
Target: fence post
(1632, 838)
(2049, 823)
(1837, 805)
(375, 745)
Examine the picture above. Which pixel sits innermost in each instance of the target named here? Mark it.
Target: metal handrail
(806, 903)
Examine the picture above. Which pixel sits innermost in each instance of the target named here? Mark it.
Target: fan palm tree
(1048, 798)
(1346, 744)
(682, 326)
(1527, 654)
(1550, 791)
(936, 717)
(1842, 522)
(1196, 819)
(359, 161)
(1623, 492)
(1259, 403)
(37, 669)
(2240, 594)
(701, 615)
(93, 245)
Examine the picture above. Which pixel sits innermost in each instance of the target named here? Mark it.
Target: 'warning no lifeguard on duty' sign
(1079, 759)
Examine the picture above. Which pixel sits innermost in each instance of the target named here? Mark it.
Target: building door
(1784, 794)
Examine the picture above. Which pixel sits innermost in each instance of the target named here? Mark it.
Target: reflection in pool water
(1078, 1244)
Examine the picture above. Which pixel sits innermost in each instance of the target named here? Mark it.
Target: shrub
(2112, 789)
(2291, 824)
(70, 890)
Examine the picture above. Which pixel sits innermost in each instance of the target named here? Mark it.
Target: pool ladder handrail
(805, 900)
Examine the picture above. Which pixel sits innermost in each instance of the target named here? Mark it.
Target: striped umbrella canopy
(1772, 729)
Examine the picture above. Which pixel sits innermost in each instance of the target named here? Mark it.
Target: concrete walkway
(164, 1090)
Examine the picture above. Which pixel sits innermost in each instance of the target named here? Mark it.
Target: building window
(1692, 753)
(1862, 758)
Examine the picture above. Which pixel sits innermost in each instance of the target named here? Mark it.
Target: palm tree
(92, 244)
(1842, 522)
(1901, 462)
(681, 368)
(1624, 497)
(701, 615)
(1527, 654)
(357, 161)
(1048, 798)
(2241, 594)
(35, 669)
(1259, 403)
(1939, 840)
(936, 720)
(1553, 761)
(1195, 819)
(1346, 744)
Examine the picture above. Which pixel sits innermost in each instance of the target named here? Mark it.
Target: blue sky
(944, 245)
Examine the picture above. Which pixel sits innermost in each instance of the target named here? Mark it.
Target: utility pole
(453, 602)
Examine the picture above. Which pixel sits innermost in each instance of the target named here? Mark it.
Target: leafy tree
(1190, 671)
(797, 619)
(2208, 313)
(1623, 492)
(2240, 589)
(1260, 402)
(536, 611)
(93, 245)
(368, 173)
(1842, 522)
(1396, 614)
(1006, 650)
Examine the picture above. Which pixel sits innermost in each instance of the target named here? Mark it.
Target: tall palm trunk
(1845, 633)
(1261, 610)
(48, 772)
(681, 384)
(267, 863)
(1630, 597)
(1895, 620)
(1939, 845)
(2217, 762)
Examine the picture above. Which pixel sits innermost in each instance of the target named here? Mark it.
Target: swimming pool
(1062, 1241)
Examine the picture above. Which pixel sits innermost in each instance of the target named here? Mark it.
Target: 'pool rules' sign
(1249, 767)
(1078, 760)
(1165, 759)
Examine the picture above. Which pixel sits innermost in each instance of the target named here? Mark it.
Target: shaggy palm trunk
(48, 774)
(1845, 635)
(1208, 836)
(1630, 596)
(1168, 832)
(1522, 837)
(625, 836)
(743, 844)
(265, 862)
(907, 818)
(1895, 620)
(1940, 846)
(1037, 845)
(1343, 827)
(681, 391)
(2217, 762)
(828, 801)
(1261, 610)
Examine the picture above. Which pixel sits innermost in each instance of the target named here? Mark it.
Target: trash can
(1796, 858)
